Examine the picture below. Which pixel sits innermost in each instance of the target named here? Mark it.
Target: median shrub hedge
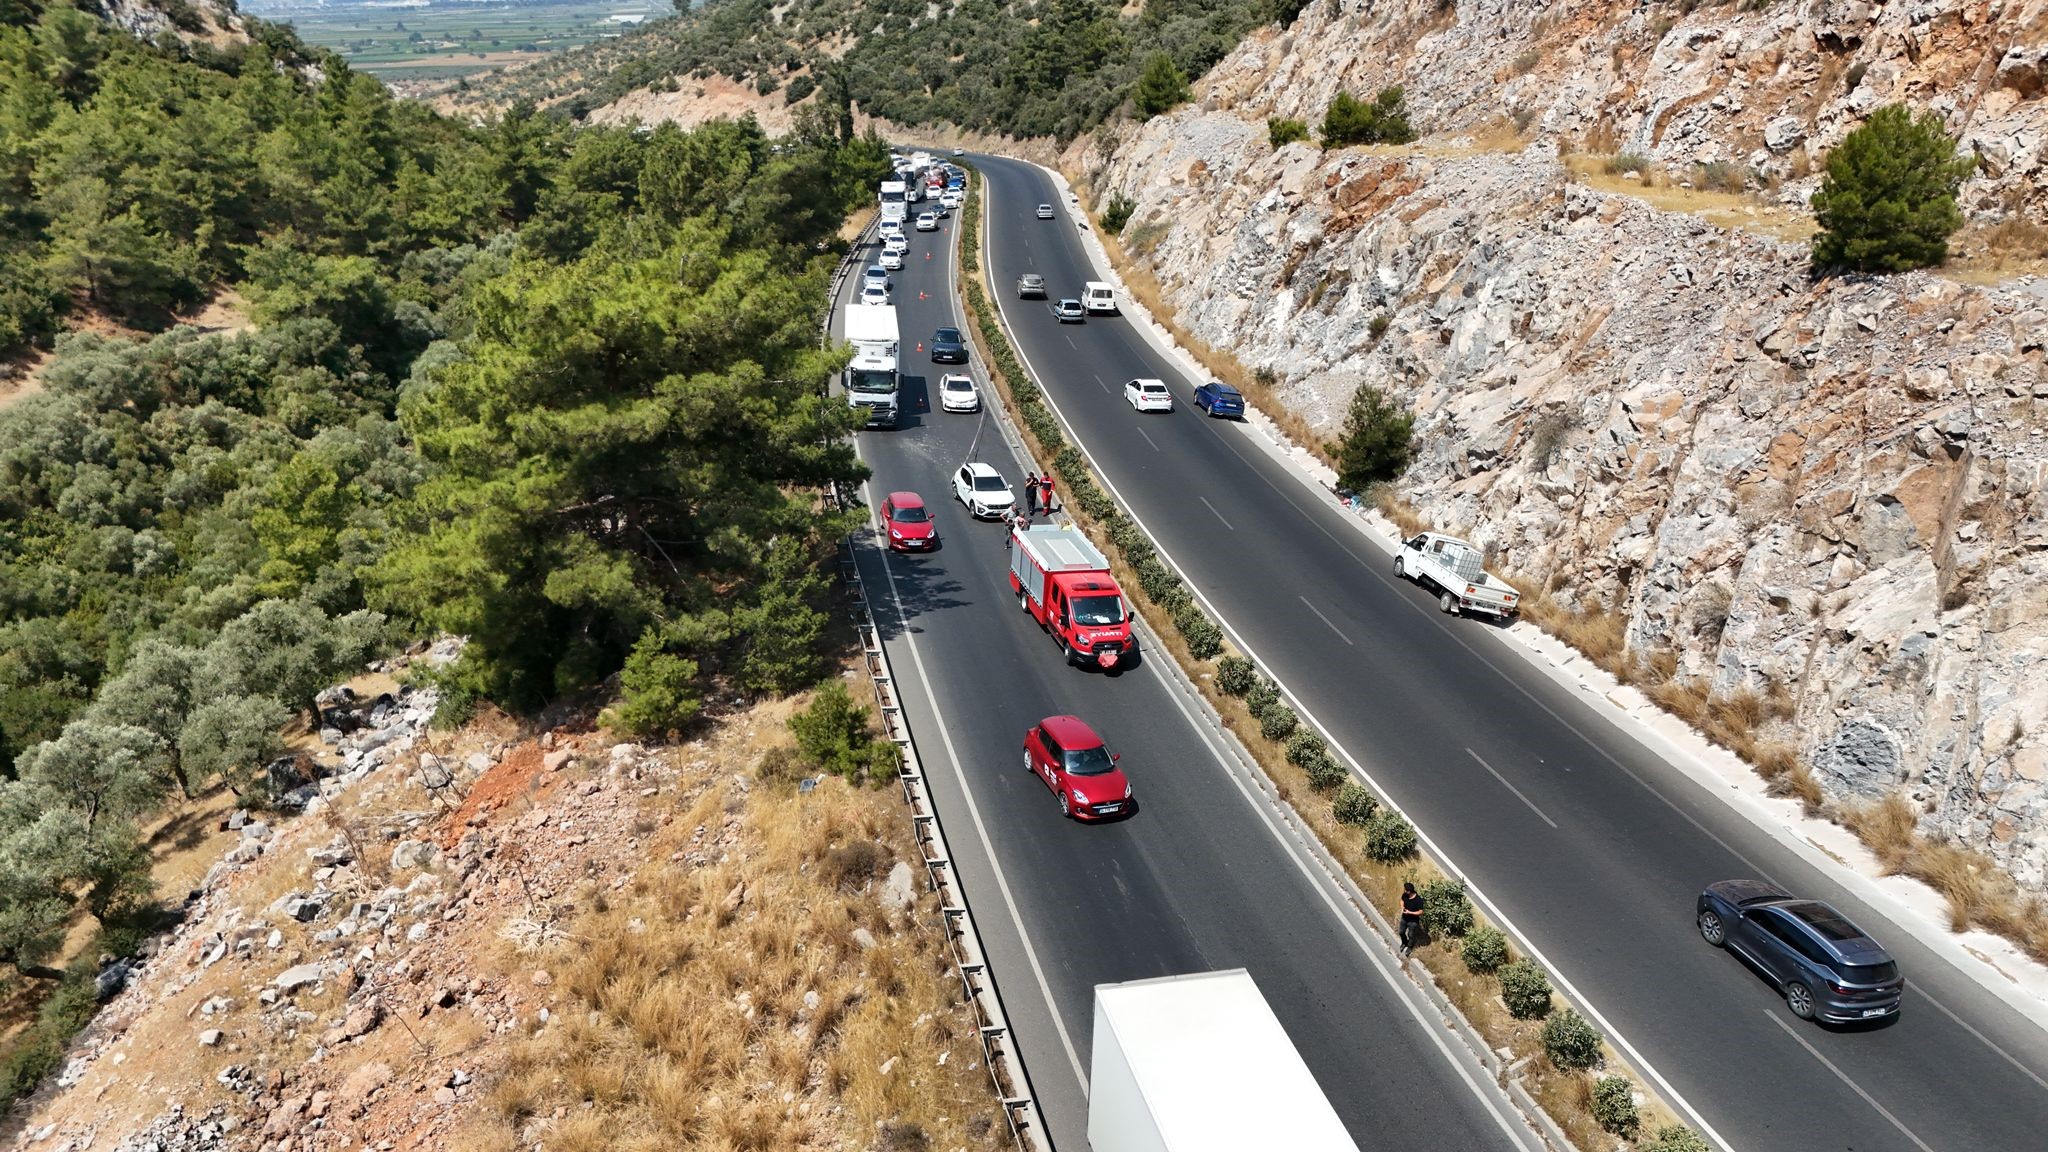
(1389, 837)
(1446, 910)
(1278, 723)
(1614, 1106)
(1485, 950)
(1674, 1138)
(1354, 804)
(1573, 1044)
(1525, 990)
(1261, 696)
(1324, 772)
(1236, 675)
(1203, 638)
(1304, 745)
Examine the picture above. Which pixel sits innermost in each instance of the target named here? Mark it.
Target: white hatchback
(1149, 395)
(958, 394)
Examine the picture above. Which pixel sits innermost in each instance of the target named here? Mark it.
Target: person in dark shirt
(1411, 918)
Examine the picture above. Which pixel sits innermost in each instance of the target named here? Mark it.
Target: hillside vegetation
(553, 388)
(1045, 68)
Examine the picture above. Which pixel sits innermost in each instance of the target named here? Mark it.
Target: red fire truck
(1065, 584)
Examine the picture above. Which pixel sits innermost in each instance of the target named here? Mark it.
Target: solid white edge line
(1459, 1066)
(1510, 787)
(1613, 1034)
(1853, 1086)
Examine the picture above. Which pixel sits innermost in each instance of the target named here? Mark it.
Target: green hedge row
(1078, 487)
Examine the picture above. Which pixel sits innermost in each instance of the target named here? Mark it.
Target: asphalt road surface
(1590, 845)
(1196, 880)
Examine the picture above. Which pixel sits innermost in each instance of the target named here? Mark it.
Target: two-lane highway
(1590, 845)
(1196, 880)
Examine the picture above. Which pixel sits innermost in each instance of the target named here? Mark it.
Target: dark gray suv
(1828, 968)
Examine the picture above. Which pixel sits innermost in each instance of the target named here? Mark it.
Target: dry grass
(1607, 173)
(1979, 894)
(1990, 254)
(692, 1028)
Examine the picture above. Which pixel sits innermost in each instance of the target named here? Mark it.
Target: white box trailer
(1199, 1063)
(872, 375)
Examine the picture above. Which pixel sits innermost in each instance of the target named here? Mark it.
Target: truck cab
(1065, 585)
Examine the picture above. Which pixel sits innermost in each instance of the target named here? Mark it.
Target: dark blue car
(1220, 399)
(1828, 968)
(949, 347)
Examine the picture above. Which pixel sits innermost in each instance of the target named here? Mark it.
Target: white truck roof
(1060, 549)
(871, 324)
(1214, 1068)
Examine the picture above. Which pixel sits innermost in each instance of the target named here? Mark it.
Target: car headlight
(1078, 798)
(895, 535)
(1127, 791)
(1085, 637)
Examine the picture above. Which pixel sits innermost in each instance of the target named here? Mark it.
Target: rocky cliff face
(1839, 488)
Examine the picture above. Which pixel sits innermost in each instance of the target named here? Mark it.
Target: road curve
(1591, 845)
(1196, 880)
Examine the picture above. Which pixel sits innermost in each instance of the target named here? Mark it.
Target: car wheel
(1023, 600)
(1711, 929)
(1029, 770)
(1066, 650)
(1799, 998)
(1447, 602)
(1400, 568)
(1066, 806)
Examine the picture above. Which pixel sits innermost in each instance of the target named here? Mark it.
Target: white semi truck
(872, 375)
(894, 200)
(1199, 1063)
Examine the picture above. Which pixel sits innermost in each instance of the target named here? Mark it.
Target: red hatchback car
(1072, 761)
(908, 523)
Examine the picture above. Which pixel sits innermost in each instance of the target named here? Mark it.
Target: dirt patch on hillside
(697, 102)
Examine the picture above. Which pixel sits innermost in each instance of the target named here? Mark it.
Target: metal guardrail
(1000, 1055)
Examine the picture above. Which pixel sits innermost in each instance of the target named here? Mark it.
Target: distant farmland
(448, 40)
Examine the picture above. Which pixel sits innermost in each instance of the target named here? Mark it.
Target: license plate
(1875, 1011)
(1106, 809)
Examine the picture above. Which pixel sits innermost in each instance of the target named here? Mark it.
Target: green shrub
(1324, 772)
(1446, 910)
(1376, 442)
(1719, 176)
(1129, 540)
(1888, 202)
(1525, 990)
(1284, 132)
(1261, 696)
(1627, 162)
(1278, 722)
(1389, 837)
(1161, 586)
(1204, 639)
(1235, 675)
(1485, 950)
(1349, 120)
(1614, 1106)
(1162, 86)
(1572, 1043)
(1674, 1138)
(1304, 745)
(833, 734)
(1355, 805)
(799, 88)
(1117, 213)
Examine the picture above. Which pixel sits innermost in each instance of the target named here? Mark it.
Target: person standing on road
(1031, 492)
(1411, 918)
(1045, 492)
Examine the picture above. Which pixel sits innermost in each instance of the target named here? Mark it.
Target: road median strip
(1544, 1053)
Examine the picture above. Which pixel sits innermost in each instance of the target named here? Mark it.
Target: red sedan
(908, 523)
(1072, 761)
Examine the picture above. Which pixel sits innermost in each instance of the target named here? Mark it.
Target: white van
(1097, 296)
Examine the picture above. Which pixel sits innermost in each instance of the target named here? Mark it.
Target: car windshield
(1871, 973)
(911, 516)
(1087, 761)
(990, 484)
(1098, 610)
(946, 336)
(871, 380)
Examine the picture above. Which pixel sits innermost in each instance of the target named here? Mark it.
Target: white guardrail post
(999, 1051)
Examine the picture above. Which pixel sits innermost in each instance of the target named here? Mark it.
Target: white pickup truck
(1454, 571)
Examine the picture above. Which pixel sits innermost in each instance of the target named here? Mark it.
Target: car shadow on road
(921, 585)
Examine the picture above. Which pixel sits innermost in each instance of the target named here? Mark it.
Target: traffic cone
(920, 343)
(927, 255)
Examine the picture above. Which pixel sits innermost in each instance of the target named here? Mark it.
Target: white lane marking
(1155, 448)
(1070, 343)
(1433, 1028)
(1670, 1092)
(1104, 383)
(1965, 1025)
(1853, 1086)
(1510, 787)
(1320, 616)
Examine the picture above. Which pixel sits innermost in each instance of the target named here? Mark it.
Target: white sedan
(872, 293)
(1149, 396)
(1045, 211)
(951, 198)
(892, 259)
(958, 394)
(984, 491)
(927, 222)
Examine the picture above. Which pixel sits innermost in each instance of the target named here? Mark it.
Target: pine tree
(1161, 87)
(1888, 202)
(1375, 444)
